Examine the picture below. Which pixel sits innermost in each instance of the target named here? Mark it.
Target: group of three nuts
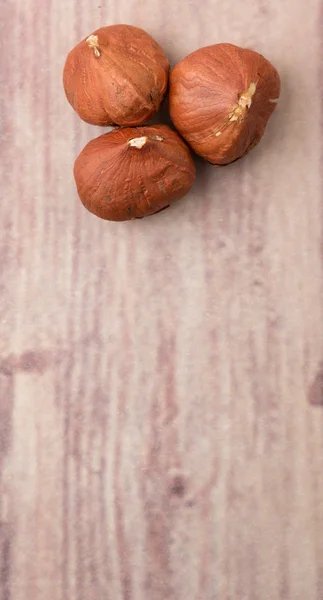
(220, 100)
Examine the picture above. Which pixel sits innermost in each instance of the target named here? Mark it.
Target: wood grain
(159, 437)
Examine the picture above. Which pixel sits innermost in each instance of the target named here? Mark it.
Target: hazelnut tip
(245, 99)
(244, 103)
(138, 142)
(93, 42)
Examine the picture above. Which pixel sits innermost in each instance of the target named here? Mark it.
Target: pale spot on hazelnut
(155, 138)
(93, 42)
(274, 101)
(234, 118)
(138, 142)
(218, 133)
(252, 88)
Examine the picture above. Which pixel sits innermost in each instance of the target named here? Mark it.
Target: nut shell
(130, 173)
(221, 98)
(116, 76)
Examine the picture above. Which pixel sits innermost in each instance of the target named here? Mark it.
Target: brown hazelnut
(130, 173)
(221, 98)
(116, 76)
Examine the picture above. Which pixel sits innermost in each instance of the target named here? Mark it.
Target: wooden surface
(161, 380)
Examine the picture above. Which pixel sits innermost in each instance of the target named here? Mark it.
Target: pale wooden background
(160, 422)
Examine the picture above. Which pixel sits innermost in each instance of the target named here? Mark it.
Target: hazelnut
(130, 173)
(116, 76)
(221, 98)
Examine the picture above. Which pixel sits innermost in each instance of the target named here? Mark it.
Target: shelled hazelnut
(116, 76)
(221, 98)
(133, 172)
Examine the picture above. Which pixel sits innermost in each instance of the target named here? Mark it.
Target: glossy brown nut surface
(130, 173)
(221, 98)
(116, 76)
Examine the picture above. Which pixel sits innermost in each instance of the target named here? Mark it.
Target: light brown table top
(161, 430)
